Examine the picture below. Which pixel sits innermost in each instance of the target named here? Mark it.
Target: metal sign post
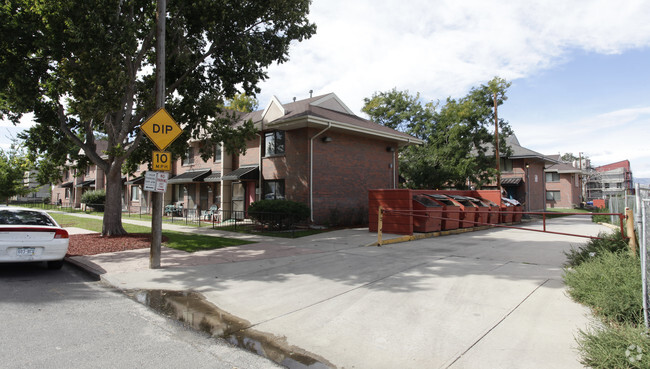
(156, 208)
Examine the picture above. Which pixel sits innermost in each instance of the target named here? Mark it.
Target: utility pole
(496, 143)
(582, 194)
(156, 206)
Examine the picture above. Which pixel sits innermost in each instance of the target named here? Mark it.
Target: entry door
(204, 197)
(238, 196)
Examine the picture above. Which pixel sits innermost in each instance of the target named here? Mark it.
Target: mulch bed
(92, 244)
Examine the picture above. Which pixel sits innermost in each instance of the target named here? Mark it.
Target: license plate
(25, 251)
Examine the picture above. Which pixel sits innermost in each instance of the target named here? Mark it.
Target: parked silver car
(30, 235)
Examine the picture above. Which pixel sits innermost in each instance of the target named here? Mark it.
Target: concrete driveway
(485, 299)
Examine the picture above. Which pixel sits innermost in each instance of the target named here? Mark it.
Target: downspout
(394, 171)
(260, 133)
(311, 172)
(259, 194)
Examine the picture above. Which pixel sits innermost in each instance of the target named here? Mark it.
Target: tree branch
(92, 155)
(134, 145)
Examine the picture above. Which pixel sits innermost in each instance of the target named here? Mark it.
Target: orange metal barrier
(448, 215)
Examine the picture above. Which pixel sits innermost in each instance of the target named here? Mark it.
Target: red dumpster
(517, 209)
(427, 214)
(482, 211)
(507, 211)
(468, 211)
(450, 211)
(493, 218)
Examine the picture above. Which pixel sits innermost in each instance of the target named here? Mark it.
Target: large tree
(458, 135)
(13, 165)
(87, 67)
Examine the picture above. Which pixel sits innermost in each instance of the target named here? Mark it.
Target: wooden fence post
(379, 225)
(629, 222)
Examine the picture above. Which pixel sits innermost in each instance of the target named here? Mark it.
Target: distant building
(611, 179)
(38, 192)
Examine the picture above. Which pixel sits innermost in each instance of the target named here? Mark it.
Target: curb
(90, 269)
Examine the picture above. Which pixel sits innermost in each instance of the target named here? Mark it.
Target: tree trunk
(113, 209)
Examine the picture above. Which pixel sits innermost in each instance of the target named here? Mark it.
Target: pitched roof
(518, 151)
(322, 110)
(560, 167)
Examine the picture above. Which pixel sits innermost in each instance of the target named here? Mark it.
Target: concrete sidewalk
(485, 299)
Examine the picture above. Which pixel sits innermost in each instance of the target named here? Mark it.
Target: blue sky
(579, 69)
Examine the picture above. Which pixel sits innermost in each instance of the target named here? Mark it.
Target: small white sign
(156, 181)
(161, 181)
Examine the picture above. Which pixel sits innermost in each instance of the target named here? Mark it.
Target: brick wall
(344, 170)
(569, 193)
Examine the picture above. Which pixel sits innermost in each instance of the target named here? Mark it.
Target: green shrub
(609, 242)
(596, 218)
(615, 347)
(94, 199)
(278, 214)
(610, 284)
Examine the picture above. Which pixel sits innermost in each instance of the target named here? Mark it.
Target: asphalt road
(63, 319)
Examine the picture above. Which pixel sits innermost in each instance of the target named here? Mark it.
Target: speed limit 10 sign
(162, 161)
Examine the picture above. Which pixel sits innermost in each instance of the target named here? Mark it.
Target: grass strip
(177, 240)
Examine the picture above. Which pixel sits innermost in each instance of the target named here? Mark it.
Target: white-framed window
(274, 190)
(274, 143)
(217, 153)
(552, 177)
(189, 156)
(135, 193)
(553, 195)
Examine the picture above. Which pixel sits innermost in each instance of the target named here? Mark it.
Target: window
(189, 156)
(217, 153)
(274, 190)
(505, 165)
(217, 194)
(552, 177)
(274, 143)
(135, 193)
(552, 195)
(181, 193)
(67, 193)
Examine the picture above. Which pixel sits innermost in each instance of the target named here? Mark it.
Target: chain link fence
(642, 220)
(617, 202)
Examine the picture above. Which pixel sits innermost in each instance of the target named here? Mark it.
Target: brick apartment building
(522, 175)
(314, 151)
(563, 184)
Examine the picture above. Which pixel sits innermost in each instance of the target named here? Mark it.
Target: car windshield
(25, 217)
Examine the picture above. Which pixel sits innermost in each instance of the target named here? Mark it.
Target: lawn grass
(556, 210)
(177, 240)
(557, 213)
(287, 234)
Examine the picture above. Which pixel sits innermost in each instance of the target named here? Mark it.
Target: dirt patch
(92, 244)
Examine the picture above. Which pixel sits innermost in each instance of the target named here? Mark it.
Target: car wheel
(55, 264)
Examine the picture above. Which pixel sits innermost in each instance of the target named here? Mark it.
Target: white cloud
(605, 138)
(442, 48)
